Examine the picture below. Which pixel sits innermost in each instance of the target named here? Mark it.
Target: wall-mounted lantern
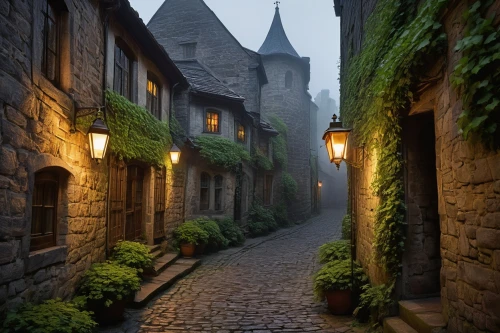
(336, 141)
(175, 154)
(320, 184)
(98, 138)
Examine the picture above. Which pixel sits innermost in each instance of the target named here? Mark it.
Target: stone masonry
(35, 126)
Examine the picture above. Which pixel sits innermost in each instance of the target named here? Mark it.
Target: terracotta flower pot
(339, 301)
(187, 250)
(200, 249)
(107, 315)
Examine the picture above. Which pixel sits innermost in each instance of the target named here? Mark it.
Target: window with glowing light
(212, 121)
(153, 98)
(240, 133)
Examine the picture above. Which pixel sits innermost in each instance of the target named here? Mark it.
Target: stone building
(190, 30)
(54, 199)
(452, 190)
(286, 95)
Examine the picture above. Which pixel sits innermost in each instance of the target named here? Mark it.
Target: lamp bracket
(359, 163)
(83, 112)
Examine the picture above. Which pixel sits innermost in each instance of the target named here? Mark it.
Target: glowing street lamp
(175, 154)
(98, 138)
(336, 141)
(320, 183)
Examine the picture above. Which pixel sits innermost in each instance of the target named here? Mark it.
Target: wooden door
(133, 221)
(117, 184)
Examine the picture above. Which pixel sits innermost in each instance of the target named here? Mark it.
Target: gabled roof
(203, 81)
(276, 41)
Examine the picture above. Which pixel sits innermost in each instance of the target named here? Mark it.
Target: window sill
(46, 257)
(214, 133)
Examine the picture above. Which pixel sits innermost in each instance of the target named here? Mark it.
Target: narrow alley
(265, 286)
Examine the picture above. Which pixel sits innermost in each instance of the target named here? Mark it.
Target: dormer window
(189, 50)
(212, 121)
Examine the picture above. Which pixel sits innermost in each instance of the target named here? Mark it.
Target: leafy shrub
(132, 254)
(108, 282)
(375, 300)
(190, 232)
(336, 275)
(260, 220)
(231, 231)
(336, 250)
(50, 316)
(290, 187)
(346, 227)
(280, 215)
(215, 238)
(222, 152)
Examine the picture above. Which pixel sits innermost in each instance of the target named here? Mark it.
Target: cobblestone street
(265, 286)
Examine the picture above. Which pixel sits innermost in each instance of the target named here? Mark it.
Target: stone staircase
(167, 270)
(417, 316)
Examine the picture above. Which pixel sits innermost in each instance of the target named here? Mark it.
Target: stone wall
(35, 126)
(292, 105)
(176, 186)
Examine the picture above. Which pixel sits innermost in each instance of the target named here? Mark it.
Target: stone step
(153, 248)
(156, 254)
(166, 260)
(397, 325)
(424, 315)
(152, 286)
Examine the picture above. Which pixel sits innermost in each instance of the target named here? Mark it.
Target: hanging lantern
(336, 141)
(175, 154)
(320, 183)
(98, 138)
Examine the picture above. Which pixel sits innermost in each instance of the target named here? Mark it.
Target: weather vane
(277, 3)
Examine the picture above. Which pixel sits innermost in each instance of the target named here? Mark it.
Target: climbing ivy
(221, 151)
(260, 160)
(289, 186)
(377, 87)
(280, 153)
(477, 76)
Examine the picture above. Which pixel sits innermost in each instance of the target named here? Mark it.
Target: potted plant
(336, 250)
(134, 255)
(50, 316)
(189, 235)
(108, 286)
(333, 281)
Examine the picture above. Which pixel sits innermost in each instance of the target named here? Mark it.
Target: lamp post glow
(336, 141)
(98, 139)
(175, 154)
(320, 183)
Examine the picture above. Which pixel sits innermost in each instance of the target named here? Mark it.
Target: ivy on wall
(221, 151)
(280, 153)
(260, 160)
(477, 76)
(376, 89)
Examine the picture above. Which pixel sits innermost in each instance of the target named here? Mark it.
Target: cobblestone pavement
(265, 286)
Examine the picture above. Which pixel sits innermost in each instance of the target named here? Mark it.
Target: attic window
(189, 50)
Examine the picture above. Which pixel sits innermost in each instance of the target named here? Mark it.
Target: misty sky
(311, 26)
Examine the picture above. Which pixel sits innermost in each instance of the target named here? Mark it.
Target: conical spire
(276, 41)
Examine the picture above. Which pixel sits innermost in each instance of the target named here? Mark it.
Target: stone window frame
(132, 64)
(150, 98)
(60, 88)
(219, 120)
(288, 79)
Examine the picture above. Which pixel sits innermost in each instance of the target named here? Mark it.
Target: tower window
(189, 50)
(288, 79)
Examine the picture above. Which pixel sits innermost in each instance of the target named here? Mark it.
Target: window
(218, 192)
(268, 189)
(189, 50)
(204, 191)
(122, 81)
(51, 42)
(44, 211)
(240, 132)
(153, 98)
(288, 79)
(159, 230)
(212, 121)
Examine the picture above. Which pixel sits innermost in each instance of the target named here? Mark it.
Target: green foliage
(135, 133)
(260, 160)
(378, 86)
(177, 132)
(53, 316)
(377, 300)
(336, 250)
(221, 151)
(289, 186)
(108, 282)
(231, 231)
(346, 227)
(336, 275)
(477, 75)
(132, 254)
(216, 239)
(260, 220)
(280, 152)
(191, 232)
(280, 215)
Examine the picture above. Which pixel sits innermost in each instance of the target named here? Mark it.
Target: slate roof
(203, 81)
(276, 41)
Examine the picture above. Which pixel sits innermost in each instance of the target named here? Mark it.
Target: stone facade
(36, 135)
(453, 206)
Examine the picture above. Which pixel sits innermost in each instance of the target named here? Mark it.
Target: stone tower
(286, 96)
